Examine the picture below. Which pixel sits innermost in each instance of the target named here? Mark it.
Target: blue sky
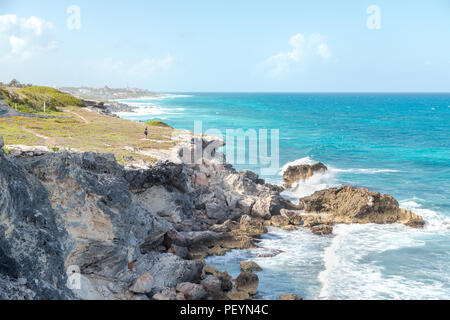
(294, 46)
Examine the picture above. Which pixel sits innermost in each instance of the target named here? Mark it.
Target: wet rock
(247, 282)
(279, 221)
(294, 217)
(290, 297)
(253, 227)
(224, 277)
(192, 291)
(301, 172)
(250, 266)
(322, 230)
(238, 295)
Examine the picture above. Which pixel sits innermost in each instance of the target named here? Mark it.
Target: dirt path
(79, 116)
(35, 134)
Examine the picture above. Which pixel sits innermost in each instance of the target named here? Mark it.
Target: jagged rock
(253, 227)
(250, 266)
(291, 297)
(169, 295)
(144, 284)
(152, 242)
(238, 295)
(192, 291)
(301, 172)
(169, 270)
(266, 207)
(181, 252)
(352, 205)
(113, 225)
(279, 221)
(224, 277)
(322, 230)
(247, 282)
(220, 228)
(213, 285)
(294, 217)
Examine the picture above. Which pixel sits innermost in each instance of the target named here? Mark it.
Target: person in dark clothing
(146, 133)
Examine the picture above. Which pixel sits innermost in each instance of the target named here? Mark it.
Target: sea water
(390, 143)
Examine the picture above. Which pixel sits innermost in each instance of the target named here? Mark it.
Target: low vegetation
(86, 130)
(157, 123)
(31, 99)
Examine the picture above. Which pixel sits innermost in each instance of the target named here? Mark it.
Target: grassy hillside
(31, 99)
(86, 130)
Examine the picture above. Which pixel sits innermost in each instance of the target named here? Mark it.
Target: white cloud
(303, 49)
(21, 38)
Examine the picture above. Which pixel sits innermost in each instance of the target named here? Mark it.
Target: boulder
(322, 230)
(144, 284)
(293, 216)
(290, 297)
(279, 221)
(224, 277)
(238, 295)
(301, 172)
(169, 294)
(351, 205)
(169, 270)
(254, 227)
(192, 291)
(247, 282)
(2, 142)
(250, 266)
(267, 206)
(152, 242)
(212, 285)
(181, 252)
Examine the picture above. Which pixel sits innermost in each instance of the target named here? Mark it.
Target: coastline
(265, 208)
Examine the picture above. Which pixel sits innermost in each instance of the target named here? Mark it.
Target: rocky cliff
(81, 226)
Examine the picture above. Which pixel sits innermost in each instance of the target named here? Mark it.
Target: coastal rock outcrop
(302, 172)
(351, 205)
(87, 228)
(250, 266)
(81, 226)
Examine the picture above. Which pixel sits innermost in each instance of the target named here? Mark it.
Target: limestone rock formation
(290, 297)
(247, 282)
(352, 205)
(250, 266)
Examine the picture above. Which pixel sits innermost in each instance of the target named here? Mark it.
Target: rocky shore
(81, 226)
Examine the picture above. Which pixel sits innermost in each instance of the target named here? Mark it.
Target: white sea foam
(148, 109)
(433, 219)
(303, 188)
(365, 171)
(355, 265)
(298, 162)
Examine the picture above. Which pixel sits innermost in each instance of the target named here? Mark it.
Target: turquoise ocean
(390, 143)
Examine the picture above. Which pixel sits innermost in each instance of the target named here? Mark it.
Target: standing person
(146, 133)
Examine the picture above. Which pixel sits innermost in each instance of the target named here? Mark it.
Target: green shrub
(157, 123)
